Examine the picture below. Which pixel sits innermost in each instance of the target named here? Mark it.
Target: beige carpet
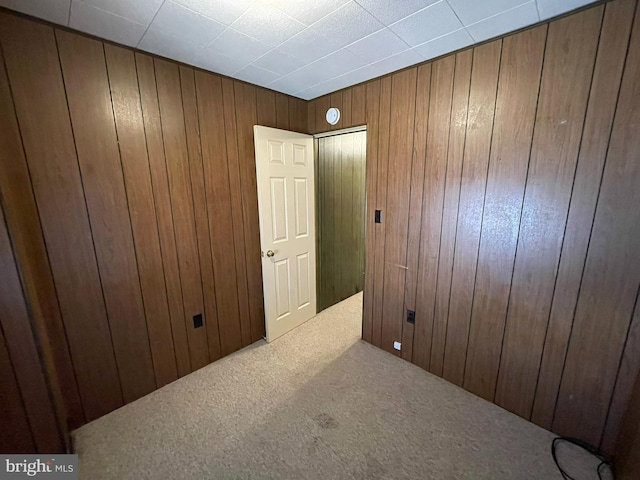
(317, 403)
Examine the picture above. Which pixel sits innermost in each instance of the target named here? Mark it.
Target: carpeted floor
(318, 403)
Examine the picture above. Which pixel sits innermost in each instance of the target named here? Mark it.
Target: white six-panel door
(285, 170)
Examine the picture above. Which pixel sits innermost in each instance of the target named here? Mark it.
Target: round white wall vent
(333, 116)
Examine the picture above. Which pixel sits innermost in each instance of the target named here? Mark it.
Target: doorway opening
(340, 179)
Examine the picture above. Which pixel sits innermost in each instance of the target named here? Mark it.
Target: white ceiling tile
(267, 24)
(104, 24)
(390, 11)
(238, 45)
(219, 63)
(56, 11)
(223, 11)
(309, 46)
(381, 44)
(279, 62)
(444, 44)
(305, 11)
(338, 63)
(288, 85)
(347, 24)
(312, 92)
(140, 11)
(256, 75)
(160, 43)
(470, 11)
(305, 77)
(504, 22)
(395, 62)
(427, 24)
(551, 8)
(176, 20)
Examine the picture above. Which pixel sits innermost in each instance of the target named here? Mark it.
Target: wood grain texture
(311, 117)
(564, 91)
(16, 325)
(322, 104)
(335, 100)
(87, 85)
(423, 87)
(137, 177)
(246, 118)
(457, 134)
(192, 128)
(346, 108)
(605, 86)
(594, 353)
(627, 458)
(162, 198)
(372, 118)
(358, 105)
(442, 72)
(23, 221)
(381, 204)
(398, 176)
(60, 199)
(511, 141)
(266, 106)
(175, 147)
(236, 206)
(282, 111)
(216, 179)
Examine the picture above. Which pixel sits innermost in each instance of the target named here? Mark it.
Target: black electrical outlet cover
(411, 316)
(378, 216)
(197, 321)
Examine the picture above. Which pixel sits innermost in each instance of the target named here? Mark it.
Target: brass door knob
(270, 253)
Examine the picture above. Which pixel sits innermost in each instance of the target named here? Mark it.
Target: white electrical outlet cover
(397, 345)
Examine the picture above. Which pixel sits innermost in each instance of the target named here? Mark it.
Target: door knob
(270, 253)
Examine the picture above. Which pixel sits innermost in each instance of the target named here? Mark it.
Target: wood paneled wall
(508, 179)
(340, 204)
(129, 188)
(627, 459)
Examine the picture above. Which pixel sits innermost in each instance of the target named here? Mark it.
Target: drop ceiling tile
(390, 11)
(444, 44)
(104, 24)
(219, 63)
(381, 44)
(289, 85)
(551, 8)
(504, 22)
(278, 62)
(307, 12)
(176, 20)
(312, 92)
(349, 23)
(393, 63)
(305, 77)
(56, 11)
(338, 63)
(238, 45)
(223, 11)
(309, 46)
(158, 42)
(427, 24)
(267, 24)
(140, 11)
(470, 11)
(256, 75)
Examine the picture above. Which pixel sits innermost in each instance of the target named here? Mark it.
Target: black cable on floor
(604, 461)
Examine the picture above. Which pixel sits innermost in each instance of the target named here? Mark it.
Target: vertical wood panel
(87, 85)
(335, 100)
(162, 197)
(245, 96)
(372, 113)
(359, 196)
(511, 141)
(423, 87)
(60, 199)
(358, 105)
(175, 147)
(595, 139)
(23, 221)
(479, 122)
(346, 255)
(611, 274)
(311, 117)
(135, 166)
(564, 90)
(236, 206)
(398, 178)
(442, 73)
(192, 128)
(322, 104)
(282, 111)
(266, 106)
(347, 98)
(457, 133)
(218, 195)
(381, 204)
(627, 458)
